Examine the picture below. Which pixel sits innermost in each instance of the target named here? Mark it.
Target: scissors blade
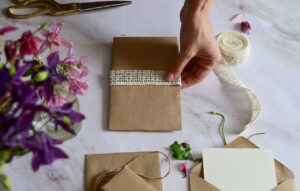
(102, 5)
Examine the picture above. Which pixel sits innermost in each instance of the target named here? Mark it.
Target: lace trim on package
(140, 78)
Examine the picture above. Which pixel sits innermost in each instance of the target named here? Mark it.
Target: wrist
(199, 7)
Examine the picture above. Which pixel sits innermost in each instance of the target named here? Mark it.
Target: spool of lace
(235, 48)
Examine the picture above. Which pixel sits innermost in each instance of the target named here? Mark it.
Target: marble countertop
(272, 72)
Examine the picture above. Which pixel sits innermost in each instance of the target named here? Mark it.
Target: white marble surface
(272, 73)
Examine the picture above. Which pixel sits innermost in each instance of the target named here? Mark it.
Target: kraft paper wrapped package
(144, 107)
(131, 181)
(285, 177)
(128, 177)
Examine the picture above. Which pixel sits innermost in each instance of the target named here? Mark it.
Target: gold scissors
(51, 7)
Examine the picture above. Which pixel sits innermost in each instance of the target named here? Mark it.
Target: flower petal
(7, 29)
(53, 59)
(184, 169)
(236, 16)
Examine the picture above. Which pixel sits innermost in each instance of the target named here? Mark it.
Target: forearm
(199, 6)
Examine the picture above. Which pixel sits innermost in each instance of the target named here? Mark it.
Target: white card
(240, 169)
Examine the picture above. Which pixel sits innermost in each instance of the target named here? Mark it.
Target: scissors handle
(40, 7)
(12, 11)
(19, 2)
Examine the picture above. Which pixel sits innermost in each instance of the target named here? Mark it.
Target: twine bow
(113, 171)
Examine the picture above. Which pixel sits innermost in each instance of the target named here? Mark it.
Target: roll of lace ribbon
(235, 48)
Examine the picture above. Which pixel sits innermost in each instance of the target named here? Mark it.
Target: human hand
(199, 53)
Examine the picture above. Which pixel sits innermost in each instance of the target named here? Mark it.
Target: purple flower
(245, 27)
(67, 117)
(47, 86)
(5, 79)
(29, 44)
(44, 150)
(7, 29)
(54, 39)
(27, 83)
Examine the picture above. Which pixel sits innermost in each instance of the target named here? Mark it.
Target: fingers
(190, 78)
(181, 62)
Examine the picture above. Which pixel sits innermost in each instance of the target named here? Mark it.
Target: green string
(255, 134)
(221, 126)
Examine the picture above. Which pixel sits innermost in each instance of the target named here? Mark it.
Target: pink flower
(184, 169)
(10, 49)
(57, 100)
(29, 44)
(7, 29)
(76, 71)
(54, 39)
(77, 85)
(236, 16)
(245, 27)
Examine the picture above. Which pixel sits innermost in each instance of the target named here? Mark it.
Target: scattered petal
(184, 169)
(236, 16)
(7, 29)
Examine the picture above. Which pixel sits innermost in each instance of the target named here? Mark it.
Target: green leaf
(19, 151)
(4, 156)
(181, 151)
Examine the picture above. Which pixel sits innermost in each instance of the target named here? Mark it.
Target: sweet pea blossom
(54, 39)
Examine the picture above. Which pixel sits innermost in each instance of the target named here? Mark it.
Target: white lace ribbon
(140, 78)
(235, 48)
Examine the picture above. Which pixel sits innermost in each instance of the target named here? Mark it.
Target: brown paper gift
(144, 108)
(98, 164)
(285, 177)
(125, 180)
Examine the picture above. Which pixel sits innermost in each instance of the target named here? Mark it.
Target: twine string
(140, 157)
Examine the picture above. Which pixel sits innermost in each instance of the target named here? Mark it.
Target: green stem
(221, 126)
(255, 134)
(5, 184)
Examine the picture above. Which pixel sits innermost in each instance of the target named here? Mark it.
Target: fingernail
(170, 77)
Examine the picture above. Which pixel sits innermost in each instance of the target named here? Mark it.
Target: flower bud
(41, 76)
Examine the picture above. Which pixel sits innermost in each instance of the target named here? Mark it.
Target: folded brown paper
(144, 108)
(285, 177)
(125, 180)
(97, 165)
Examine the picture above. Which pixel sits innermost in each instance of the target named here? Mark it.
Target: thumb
(182, 60)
